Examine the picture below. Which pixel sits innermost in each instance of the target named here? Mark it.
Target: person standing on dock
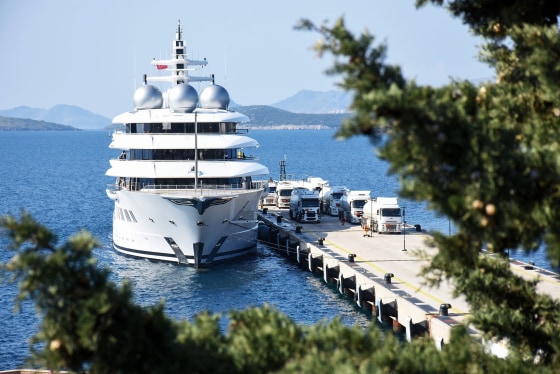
(368, 231)
(341, 217)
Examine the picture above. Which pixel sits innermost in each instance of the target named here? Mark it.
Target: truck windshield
(391, 212)
(285, 192)
(358, 204)
(310, 203)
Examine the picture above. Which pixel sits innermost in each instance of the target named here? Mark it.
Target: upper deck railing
(202, 190)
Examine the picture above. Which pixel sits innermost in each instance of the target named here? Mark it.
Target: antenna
(178, 33)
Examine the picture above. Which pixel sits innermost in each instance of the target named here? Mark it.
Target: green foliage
(262, 340)
(485, 155)
(89, 323)
(492, 18)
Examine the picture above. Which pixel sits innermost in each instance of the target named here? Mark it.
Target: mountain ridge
(316, 102)
(305, 109)
(25, 124)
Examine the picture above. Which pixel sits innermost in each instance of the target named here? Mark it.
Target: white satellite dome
(214, 97)
(183, 98)
(147, 97)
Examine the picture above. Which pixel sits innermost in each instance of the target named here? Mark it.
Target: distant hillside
(306, 101)
(268, 117)
(19, 124)
(306, 109)
(63, 114)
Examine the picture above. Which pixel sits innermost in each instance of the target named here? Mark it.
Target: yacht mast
(195, 151)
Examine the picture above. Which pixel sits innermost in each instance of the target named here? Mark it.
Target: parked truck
(329, 199)
(352, 204)
(304, 205)
(270, 197)
(382, 215)
(315, 183)
(283, 194)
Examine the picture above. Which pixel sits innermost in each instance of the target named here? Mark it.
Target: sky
(93, 53)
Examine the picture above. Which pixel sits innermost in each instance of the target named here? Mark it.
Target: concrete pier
(380, 271)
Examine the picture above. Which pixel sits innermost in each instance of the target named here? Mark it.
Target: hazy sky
(93, 53)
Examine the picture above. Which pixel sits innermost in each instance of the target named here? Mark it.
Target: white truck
(352, 204)
(382, 215)
(270, 197)
(283, 194)
(330, 198)
(315, 183)
(304, 205)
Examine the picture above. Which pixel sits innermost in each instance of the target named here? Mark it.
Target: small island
(19, 124)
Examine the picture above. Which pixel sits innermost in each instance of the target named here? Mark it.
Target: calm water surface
(59, 177)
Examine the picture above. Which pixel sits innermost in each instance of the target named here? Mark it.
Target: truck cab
(283, 193)
(383, 215)
(304, 205)
(352, 203)
(330, 200)
(270, 197)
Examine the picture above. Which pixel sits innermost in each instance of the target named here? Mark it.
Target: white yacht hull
(172, 142)
(186, 228)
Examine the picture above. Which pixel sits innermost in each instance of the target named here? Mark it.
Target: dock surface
(388, 266)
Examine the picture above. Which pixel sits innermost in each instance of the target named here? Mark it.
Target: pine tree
(485, 155)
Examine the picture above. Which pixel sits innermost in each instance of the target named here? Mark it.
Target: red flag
(161, 67)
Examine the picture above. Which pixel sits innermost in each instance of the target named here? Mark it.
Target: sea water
(59, 177)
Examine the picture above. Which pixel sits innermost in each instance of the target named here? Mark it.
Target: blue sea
(59, 177)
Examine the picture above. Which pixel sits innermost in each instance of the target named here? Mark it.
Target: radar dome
(147, 97)
(183, 98)
(214, 97)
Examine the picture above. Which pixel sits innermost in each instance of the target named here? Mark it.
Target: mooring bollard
(320, 241)
(444, 309)
(298, 229)
(351, 257)
(265, 210)
(279, 219)
(388, 277)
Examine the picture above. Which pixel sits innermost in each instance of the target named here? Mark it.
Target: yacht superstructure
(185, 191)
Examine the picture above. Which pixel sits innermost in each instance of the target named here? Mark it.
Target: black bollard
(388, 277)
(351, 257)
(279, 219)
(265, 210)
(444, 309)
